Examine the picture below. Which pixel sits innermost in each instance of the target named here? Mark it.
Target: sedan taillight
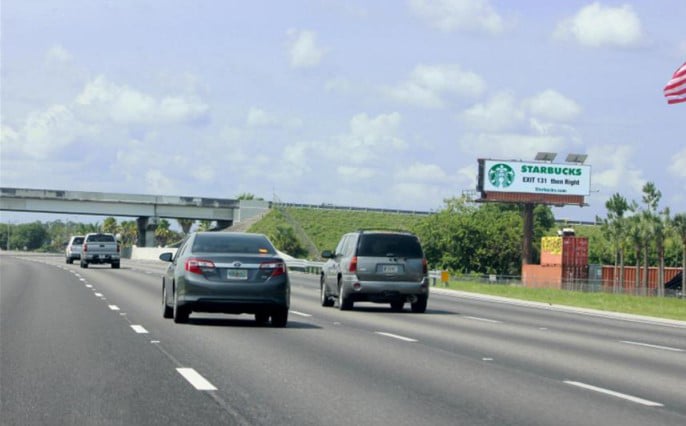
(195, 265)
(278, 268)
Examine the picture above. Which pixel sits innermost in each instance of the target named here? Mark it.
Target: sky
(384, 104)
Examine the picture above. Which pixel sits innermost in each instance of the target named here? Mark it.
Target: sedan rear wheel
(397, 306)
(167, 311)
(181, 313)
(279, 317)
(262, 318)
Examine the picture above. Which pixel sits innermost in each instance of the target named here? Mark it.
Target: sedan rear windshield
(78, 240)
(386, 245)
(232, 244)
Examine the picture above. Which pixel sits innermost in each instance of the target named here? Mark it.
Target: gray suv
(376, 266)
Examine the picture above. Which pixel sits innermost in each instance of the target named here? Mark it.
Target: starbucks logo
(501, 175)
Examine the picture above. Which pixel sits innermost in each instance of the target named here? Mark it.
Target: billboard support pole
(527, 241)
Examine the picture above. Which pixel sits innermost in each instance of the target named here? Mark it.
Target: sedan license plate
(389, 269)
(237, 274)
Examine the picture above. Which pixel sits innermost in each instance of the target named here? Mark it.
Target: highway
(90, 347)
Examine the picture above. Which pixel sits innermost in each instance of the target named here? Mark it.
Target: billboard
(534, 178)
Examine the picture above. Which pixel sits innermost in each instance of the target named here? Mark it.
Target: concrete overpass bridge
(147, 209)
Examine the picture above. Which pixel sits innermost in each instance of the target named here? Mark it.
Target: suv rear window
(386, 245)
(101, 238)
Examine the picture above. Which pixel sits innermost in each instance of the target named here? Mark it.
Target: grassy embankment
(325, 227)
(668, 307)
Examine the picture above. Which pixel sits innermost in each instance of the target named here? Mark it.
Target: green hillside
(325, 227)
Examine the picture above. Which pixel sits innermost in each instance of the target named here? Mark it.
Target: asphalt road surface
(90, 347)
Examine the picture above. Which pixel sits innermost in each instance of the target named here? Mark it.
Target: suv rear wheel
(324, 295)
(419, 307)
(344, 303)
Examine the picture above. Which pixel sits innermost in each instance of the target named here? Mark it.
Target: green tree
(285, 240)
(205, 225)
(614, 228)
(29, 236)
(679, 227)
(163, 233)
(186, 225)
(128, 233)
(110, 226)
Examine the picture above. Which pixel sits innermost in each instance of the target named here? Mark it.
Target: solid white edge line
(302, 314)
(195, 379)
(617, 394)
(139, 329)
(395, 336)
(648, 345)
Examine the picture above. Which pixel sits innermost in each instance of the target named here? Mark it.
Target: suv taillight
(84, 248)
(195, 265)
(278, 268)
(425, 266)
(353, 264)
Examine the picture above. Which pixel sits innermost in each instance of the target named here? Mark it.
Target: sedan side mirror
(167, 257)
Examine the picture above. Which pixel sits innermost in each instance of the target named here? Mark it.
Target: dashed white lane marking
(487, 359)
(302, 314)
(648, 345)
(395, 336)
(543, 328)
(139, 329)
(98, 294)
(82, 279)
(195, 379)
(89, 286)
(114, 307)
(484, 319)
(631, 398)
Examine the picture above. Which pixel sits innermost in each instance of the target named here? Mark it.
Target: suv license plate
(237, 274)
(389, 269)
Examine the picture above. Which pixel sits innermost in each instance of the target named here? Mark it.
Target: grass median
(661, 307)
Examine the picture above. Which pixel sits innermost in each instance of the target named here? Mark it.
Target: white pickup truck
(100, 248)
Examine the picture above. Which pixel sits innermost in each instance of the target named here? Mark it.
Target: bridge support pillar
(146, 231)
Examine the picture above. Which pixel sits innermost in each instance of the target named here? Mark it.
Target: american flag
(675, 90)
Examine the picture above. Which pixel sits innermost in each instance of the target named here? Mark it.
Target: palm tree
(653, 231)
(679, 226)
(186, 225)
(635, 239)
(617, 206)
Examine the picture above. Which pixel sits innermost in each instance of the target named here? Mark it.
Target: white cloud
(678, 165)
(355, 173)
(501, 112)
(510, 145)
(258, 117)
(613, 170)
(58, 55)
(50, 131)
(596, 25)
(421, 172)
(303, 50)
(428, 85)
(459, 15)
(553, 106)
(123, 105)
(157, 183)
